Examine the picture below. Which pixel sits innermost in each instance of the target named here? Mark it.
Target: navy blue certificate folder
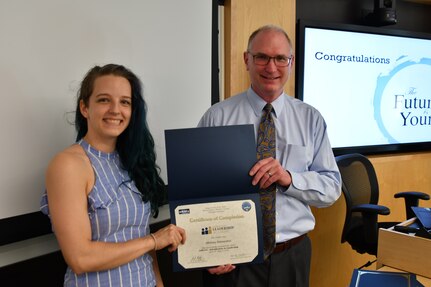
(211, 164)
(207, 162)
(370, 278)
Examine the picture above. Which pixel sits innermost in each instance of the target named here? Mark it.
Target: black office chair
(361, 191)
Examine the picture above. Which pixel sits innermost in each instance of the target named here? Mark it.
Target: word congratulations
(351, 58)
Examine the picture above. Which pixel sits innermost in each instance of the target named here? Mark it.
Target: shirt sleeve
(207, 120)
(319, 184)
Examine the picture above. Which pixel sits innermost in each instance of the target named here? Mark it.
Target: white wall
(47, 46)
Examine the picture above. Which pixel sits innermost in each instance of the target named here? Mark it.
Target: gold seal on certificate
(217, 233)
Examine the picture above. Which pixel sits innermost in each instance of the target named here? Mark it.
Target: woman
(102, 189)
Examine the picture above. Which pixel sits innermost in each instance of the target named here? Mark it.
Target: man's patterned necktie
(265, 149)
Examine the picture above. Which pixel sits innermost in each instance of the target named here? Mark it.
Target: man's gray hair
(268, 28)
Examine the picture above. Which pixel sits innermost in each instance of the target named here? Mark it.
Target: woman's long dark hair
(135, 145)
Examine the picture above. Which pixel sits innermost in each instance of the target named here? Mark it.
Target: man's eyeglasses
(263, 59)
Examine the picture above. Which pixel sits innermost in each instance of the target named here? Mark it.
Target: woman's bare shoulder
(71, 159)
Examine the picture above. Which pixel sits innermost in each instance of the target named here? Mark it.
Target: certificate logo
(184, 211)
(246, 206)
(206, 230)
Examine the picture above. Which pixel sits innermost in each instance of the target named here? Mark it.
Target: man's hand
(268, 171)
(222, 269)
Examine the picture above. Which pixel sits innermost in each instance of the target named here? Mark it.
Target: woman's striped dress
(117, 214)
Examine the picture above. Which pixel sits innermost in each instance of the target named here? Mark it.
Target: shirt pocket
(293, 157)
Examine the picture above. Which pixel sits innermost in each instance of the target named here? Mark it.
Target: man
(303, 171)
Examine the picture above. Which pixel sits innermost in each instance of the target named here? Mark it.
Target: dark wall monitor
(372, 85)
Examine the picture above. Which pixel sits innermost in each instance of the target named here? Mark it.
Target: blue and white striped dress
(117, 214)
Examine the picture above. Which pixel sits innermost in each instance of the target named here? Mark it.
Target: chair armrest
(370, 213)
(371, 209)
(412, 194)
(411, 198)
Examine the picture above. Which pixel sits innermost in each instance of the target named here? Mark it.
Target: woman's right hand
(170, 236)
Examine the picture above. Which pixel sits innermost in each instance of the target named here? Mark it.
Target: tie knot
(267, 108)
(267, 111)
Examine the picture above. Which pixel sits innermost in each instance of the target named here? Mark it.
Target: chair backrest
(360, 186)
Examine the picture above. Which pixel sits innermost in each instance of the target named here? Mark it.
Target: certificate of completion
(212, 197)
(218, 233)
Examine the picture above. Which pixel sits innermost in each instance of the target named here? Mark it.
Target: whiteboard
(47, 46)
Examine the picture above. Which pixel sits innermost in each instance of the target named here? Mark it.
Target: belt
(286, 245)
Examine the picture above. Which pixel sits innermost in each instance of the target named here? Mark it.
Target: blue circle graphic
(246, 206)
(382, 82)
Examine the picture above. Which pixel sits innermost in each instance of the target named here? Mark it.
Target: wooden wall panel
(405, 172)
(242, 17)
